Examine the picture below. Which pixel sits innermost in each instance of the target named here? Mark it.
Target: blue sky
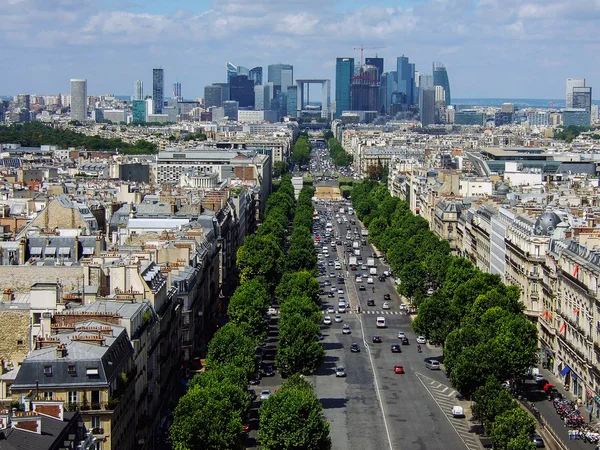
(491, 48)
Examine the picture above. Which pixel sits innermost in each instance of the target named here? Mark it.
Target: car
(403, 306)
(401, 334)
(320, 337)
(362, 287)
(398, 369)
(354, 348)
(421, 340)
(538, 441)
(363, 267)
(340, 371)
(265, 394)
(331, 295)
(387, 297)
(358, 279)
(321, 292)
(255, 380)
(332, 275)
(330, 262)
(404, 341)
(385, 305)
(331, 310)
(338, 318)
(370, 280)
(268, 370)
(371, 302)
(377, 339)
(381, 278)
(396, 348)
(458, 412)
(327, 283)
(340, 292)
(346, 329)
(340, 280)
(327, 320)
(432, 364)
(272, 311)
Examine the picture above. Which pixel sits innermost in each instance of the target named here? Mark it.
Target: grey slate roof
(52, 436)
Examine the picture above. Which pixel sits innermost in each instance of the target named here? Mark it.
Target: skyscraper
(138, 90)
(213, 96)
(440, 78)
(138, 111)
(281, 75)
(242, 90)
(377, 62)
(427, 106)
(177, 91)
(406, 79)
(344, 71)
(158, 90)
(262, 96)
(230, 70)
(582, 98)
(292, 101)
(79, 100)
(571, 84)
(364, 90)
(256, 75)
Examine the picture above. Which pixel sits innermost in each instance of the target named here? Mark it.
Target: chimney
(4, 418)
(27, 421)
(22, 251)
(8, 296)
(49, 408)
(100, 244)
(76, 248)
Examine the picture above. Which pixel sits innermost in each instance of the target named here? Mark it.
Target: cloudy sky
(491, 48)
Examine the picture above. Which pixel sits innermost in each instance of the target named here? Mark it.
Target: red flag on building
(576, 271)
(563, 327)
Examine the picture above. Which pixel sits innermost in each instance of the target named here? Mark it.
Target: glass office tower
(440, 78)
(344, 71)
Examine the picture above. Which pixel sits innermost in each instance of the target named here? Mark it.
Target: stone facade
(15, 336)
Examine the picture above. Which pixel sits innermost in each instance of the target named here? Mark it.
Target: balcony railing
(98, 431)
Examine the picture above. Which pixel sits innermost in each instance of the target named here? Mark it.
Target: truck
(364, 232)
(352, 262)
(371, 262)
(373, 271)
(342, 210)
(356, 244)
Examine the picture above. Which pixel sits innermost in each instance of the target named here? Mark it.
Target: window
(92, 372)
(72, 370)
(20, 342)
(48, 395)
(72, 397)
(37, 318)
(48, 371)
(96, 422)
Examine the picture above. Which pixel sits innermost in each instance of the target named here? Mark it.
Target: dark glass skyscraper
(406, 79)
(158, 90)
(440, 78)
(377, 62)
(242, 90)
(364, 90)
(256, 75)
(344, 71)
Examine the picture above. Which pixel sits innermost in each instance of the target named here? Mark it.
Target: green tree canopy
(260, 257)
(511, 428)
(491, 400)
(231, 345)
(249, 304)
(297, 284)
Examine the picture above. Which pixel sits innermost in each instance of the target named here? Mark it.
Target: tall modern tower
(281, 75)
(573, 83)
(440, 78)
(138, 90)
(230, 70)
(79, 100)
(377, 62)
(256, 74)
(177, 91)
(344, 71)
(406, 79)
(158, 90)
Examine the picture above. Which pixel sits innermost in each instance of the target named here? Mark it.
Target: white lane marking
(445, 389)
(377, 389)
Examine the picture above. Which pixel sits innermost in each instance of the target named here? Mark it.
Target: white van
(337, 265)
(342, 307)
(381, 322)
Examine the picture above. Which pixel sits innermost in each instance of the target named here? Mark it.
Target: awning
(88, 250)
(565, 370)
(50, 251)
(36, 251)
(64, 251)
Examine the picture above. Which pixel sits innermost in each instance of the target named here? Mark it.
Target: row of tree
(477, 318)
(339, 156)
(212, 413)
(301, 151)
(35, 134)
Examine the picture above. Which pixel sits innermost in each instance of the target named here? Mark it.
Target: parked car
(538, 441)
(265, 394)
(421, 340)
(458, 411)
(432, 364)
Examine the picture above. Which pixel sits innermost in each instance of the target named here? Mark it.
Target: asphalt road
(373, 407)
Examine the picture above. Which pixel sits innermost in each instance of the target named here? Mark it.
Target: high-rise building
(440, 78)
(538, 118)
(158, 90)
(138, 111)
(406, 79)
(571, 84)
(576, 117)
(344, 71)
(582, 98)
(507, 108)
(213, 96)
(364, 90)
(225, 91)
(256, 75)
(262, 96)
(427, 104)
(292, 101)
(79, 100)
(230, 70)
(377, 62)
(230, 109)
(23, 101)
(281, 75)
(242, 90)
(138, 90)
(177, 91)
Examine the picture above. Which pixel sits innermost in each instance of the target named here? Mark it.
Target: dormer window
(48, 371)
(92, 372)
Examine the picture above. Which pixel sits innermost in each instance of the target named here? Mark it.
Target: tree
(301, 151)
(298, 350)
(296, 284)
(205, 419)
(293, 419)
(249, 304)
(491, 400)
(301, 305)
(413, 276)
(231, 345)
(280, 168)
(260, 257)
(511, 427)
(437, 318)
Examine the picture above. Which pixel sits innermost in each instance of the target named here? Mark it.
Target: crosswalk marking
(381, 312)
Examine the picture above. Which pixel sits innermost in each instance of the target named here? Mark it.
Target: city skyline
(491, 50)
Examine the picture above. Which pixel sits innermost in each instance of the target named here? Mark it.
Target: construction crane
(361, 48)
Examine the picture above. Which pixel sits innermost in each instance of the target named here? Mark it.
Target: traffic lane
(346, 401)
(415, 420)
